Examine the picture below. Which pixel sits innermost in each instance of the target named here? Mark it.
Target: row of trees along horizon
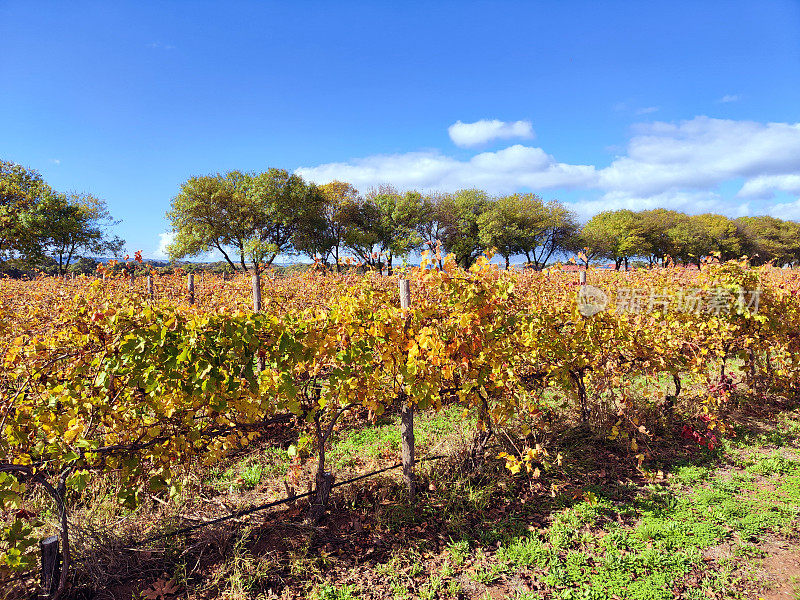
(256, 217)
(252, 218)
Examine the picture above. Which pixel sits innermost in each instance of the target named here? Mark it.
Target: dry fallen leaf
(162, 589)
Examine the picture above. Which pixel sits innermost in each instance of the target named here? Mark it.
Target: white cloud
(701, 153)
(55, 161)
(765, 186)
(689, 202)
(676, 165)
(647, 110)
(786, 210)
(467, 135)
(160, 46)
(164, 240)
(504, 171)
(729, 98)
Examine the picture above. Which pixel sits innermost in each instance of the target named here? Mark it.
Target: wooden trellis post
(407, 412)
(51, 566)
(257, 308)
(150, 290)
(256, 292)
(190, 287)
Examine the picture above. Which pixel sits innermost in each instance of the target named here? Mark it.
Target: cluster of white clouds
(468, 135)
(164, 240)
(502, 171)
(675, 165)
(679, 165)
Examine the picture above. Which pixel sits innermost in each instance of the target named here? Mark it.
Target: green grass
(247, 473)
(352, 447)
(586, 553)
(645, 544)
(702, 532)
(327, 591)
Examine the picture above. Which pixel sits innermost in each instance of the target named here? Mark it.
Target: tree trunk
(241, 258)
(69, 257)
(323, 479)
(507, 263)
(225, 255)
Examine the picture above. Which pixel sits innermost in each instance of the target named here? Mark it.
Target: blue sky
(688, 105)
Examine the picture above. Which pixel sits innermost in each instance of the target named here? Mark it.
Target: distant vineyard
(103, 376)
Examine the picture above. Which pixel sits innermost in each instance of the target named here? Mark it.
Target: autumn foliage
(99, 377)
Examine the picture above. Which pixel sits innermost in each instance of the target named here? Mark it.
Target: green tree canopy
(699, 236)
(657, 224)
(770, 239)
(285, 210)
(339, 199)
(39, 226)
(365, 235)
(460, 233)
(21, 192)
(617, 235)
(211, 213)
(70, 224)
(255, 215)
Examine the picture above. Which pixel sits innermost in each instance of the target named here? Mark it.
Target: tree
(73, 223)
(432, 222)
(657, 224)
(365, 235)
(459, 215)
(21, 191)
(770, 239)
(400, 215)
(211, 213)
(558, 234)
(699, 236)
(384, 224)
(84, 265)
(499, 226)
(617, 235)
(257, 215)
(328, 239)
(285, 210)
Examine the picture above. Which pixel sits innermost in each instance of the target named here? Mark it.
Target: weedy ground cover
(719, 523)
